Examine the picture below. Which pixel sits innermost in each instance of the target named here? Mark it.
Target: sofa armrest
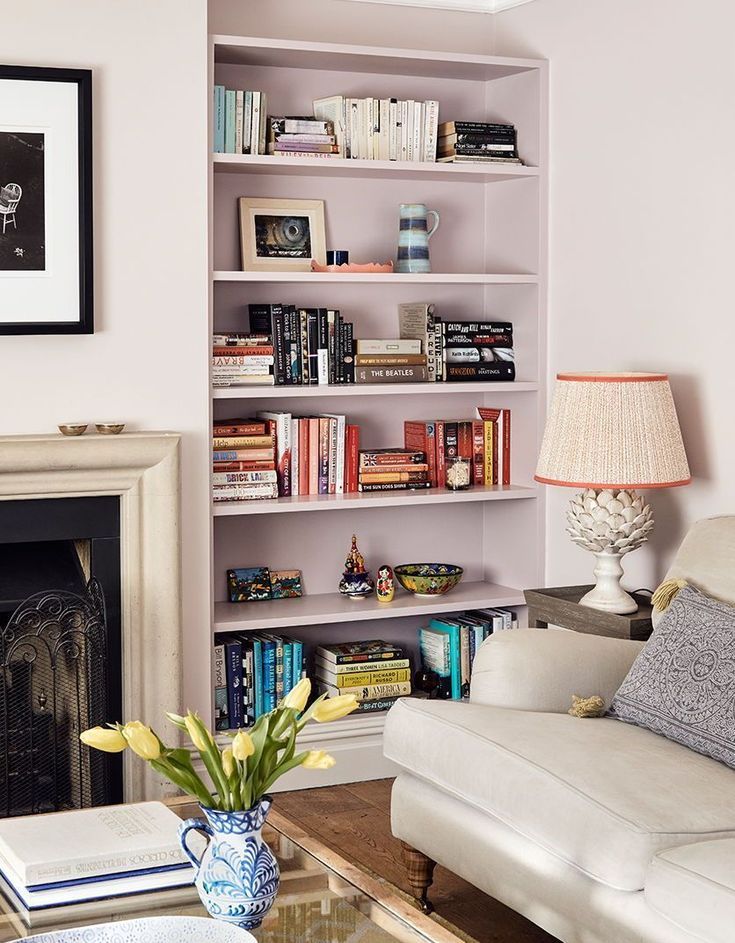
(540, 669)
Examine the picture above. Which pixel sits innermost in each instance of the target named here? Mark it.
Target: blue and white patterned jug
(237, 876)
(413, 237)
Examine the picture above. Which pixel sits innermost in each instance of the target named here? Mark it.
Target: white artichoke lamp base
(609, 523)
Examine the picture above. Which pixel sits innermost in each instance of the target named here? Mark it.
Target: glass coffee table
(322, 899)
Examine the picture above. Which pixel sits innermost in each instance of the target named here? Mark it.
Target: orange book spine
(478, 452)
(506, 446)
(441, 459)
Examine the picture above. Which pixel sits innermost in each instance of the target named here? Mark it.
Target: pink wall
(146, 363)
(642, 210)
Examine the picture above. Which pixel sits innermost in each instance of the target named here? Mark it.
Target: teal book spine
(454, 654)
(258, 676)
(298, 661)
(287, 666)
(230, 120)
(219, 119)
(269, 675)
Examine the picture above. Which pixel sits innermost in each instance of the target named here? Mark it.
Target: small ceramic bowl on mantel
(109, 428)
(428, 579)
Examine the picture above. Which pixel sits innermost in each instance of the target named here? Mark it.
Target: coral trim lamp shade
(610, 434)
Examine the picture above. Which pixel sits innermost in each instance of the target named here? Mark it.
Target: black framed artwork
(46, 261)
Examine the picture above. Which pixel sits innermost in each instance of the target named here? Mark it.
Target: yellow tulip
(318, 759)
(104, 738)
(298, 696)
(142, 740)
(228, 762)
(242, 746)
(198, 733)
(332, 708)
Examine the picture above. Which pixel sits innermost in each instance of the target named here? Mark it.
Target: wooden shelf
(382, 169)
(328, 608)
(390, 278)
(358, 501)
(369, 389)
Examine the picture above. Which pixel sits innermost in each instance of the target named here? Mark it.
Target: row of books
(251, 675)
(382, 128)
(467, 141)
(310, 345)
(240, 121)
(393, 470)
(484, 442)
(244, 459)
(448, 646)
(91, 854)
(376, 672)
(302, 137)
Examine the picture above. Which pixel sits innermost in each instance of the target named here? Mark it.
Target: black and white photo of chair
(10, 196)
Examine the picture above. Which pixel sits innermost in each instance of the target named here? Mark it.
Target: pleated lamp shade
(613, 430)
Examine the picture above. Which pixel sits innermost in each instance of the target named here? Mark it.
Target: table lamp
(610, 434)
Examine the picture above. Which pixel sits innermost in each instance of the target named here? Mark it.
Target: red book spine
(244, 466)
(352, 458)
(441, 459)
(506, 446)
(478, 452)
(313, 456)
(304, 456)
(240, 428)
(422, 436)
(464, 439)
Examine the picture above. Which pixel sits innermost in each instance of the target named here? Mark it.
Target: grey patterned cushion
(682, 684)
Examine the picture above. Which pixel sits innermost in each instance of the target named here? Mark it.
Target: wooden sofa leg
(420, 875)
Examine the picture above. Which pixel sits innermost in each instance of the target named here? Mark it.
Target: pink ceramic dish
(375, 267)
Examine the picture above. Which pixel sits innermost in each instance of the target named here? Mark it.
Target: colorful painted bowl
(428, 579)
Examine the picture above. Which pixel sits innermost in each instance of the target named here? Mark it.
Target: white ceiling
(466, 6)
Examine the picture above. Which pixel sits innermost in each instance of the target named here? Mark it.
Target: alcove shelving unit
(488, 260)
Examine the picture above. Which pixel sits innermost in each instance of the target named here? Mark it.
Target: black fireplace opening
(60, 652)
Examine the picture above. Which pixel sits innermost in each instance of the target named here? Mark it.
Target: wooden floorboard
(354, 820)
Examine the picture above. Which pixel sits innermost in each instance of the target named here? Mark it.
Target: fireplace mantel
(142, 468)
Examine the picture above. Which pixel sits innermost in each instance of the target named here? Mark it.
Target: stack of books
(390, 361)
(448, 646)
(314, 454)
(477, 350)
(382, 128)
(91, 854)
(478, 141)
(239, 121)
(242, 360)
(310, 345)
(251, 675)
(301, 137)
(376, 672)
(483, 442)
(244, 460)
(393, 470)
(459, 351)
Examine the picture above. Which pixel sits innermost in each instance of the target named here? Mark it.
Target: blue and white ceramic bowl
(150, 930)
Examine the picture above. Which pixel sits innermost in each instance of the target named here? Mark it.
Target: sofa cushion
(682, 684)
(694, 888)
(602, 795)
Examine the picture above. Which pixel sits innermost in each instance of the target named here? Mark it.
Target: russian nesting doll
(385, 587)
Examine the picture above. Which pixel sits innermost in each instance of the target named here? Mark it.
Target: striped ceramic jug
(413, 237)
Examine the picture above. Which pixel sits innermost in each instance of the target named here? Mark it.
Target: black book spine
(304, 330)
(499, 370)
(260, 319)
(331, 346)
(479, 127)
(339, 337)
(349, 354)
(279, 352)
(478, 327)
(490, 137)
(293, 318)
(287, 362)
(312, 324)
(323, 326)
(450, 441)
(463, 151)
(478, 340)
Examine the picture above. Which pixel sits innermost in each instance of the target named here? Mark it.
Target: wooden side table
(560, 606)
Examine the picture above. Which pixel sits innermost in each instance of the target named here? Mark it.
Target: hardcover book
(346, 653)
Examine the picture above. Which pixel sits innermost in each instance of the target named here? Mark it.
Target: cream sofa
(597, 831)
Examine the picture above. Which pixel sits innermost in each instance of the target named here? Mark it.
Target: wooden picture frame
(46, 255)
(281, 235)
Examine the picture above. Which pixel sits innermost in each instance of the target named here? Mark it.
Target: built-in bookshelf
(488, 259)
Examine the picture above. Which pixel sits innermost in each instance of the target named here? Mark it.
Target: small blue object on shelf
(338, 257)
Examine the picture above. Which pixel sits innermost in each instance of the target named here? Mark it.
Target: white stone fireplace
(142, 469)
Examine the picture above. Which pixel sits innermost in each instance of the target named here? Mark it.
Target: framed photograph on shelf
(281, 235)
(45, 201)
